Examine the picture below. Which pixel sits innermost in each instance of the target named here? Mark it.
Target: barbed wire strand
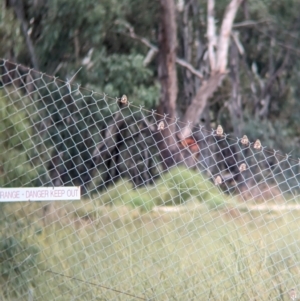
(94, 284)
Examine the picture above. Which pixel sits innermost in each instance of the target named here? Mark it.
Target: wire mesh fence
(207, 217)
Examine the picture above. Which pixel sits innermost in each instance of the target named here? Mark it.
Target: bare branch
(151, 53)
(283, 45)
(211, 33)
(238, 43)
(131, 33)
(188, 66)
(289, 47)
(225, 31)
(76, 45)
(276, 73)
(248, 23)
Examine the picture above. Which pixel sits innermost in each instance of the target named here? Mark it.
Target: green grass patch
(198, 254)
(88, 249)
(176, 187)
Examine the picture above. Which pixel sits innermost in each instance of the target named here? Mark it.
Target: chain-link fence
(214, 219)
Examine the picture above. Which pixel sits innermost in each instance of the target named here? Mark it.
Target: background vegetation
(209, 249)
(102, 46)
(66, 36)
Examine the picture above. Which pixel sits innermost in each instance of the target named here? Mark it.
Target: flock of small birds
(245, 141)
(219, 132)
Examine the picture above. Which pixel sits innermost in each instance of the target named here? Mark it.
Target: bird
(218, 180)
(293, 294)
(160, 126)
(257, 144)
(219, 130)
(245, 140)
(124, 99)
(243, 167)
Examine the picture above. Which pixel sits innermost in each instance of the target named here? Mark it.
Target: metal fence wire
(219, 223)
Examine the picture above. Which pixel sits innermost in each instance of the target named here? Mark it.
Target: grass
(174, 188)
(207, 252)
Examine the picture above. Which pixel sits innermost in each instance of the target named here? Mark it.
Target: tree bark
(199, 102)
(235, 105)
(19, 11)
(168, 78)
(218, 63)
(211, 33)
(225, 32)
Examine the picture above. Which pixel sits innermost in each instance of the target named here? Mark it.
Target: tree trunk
(235, 103)
(199, 102)
(19, 11)
(217, 60)
(168, 78)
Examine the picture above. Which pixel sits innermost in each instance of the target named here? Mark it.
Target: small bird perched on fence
(219, 131)
(124, 100)
(243, 167)
(257, 144)
(218, 180)
(245, 140)
(161, 126)
(293, 294)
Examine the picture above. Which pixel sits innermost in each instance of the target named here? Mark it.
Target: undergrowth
(85, 250)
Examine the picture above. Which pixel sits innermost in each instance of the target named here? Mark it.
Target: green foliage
(11, 38)
(183, 184)
(178, 186)
(274, 134)
(71, 31)
(16, 145)
(67, 33)
(119, 74)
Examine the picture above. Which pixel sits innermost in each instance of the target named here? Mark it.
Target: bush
(16, 145)
(175, 187)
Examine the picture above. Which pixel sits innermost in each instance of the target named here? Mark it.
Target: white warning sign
(40, 194)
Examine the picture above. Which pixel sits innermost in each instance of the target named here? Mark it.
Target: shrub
(16, 145)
